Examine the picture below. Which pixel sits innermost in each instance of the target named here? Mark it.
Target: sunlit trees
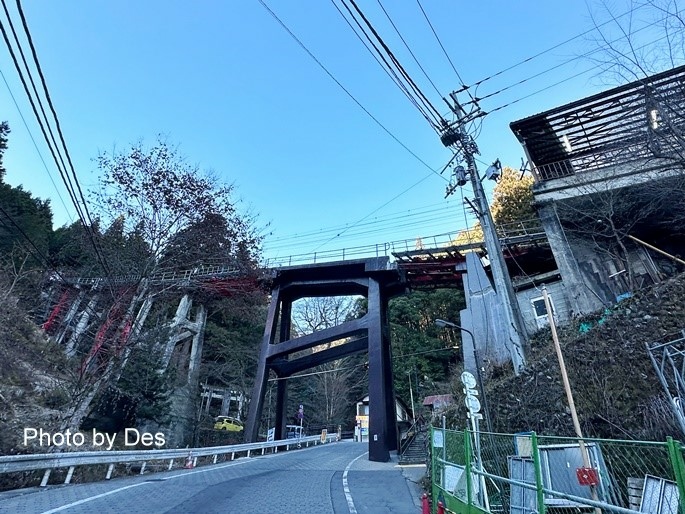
(160, 211)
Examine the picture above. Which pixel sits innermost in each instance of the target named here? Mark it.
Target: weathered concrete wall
(484, 317)
(559, 295)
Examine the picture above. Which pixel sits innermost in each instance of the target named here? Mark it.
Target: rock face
(616, 389)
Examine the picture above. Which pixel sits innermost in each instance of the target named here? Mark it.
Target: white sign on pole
(438, 439)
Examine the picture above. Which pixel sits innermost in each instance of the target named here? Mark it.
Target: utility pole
(455, 135)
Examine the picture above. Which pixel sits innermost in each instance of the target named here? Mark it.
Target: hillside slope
(32, 380)
(616, 389)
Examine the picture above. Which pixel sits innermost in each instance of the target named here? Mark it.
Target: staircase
(414, 450)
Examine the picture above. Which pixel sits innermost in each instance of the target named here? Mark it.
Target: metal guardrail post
(538, 474)
(467, 469)
(676, 457)
(432, 460)
(70, 460)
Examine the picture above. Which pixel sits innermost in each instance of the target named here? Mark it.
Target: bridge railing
(365, 251)
(510, 232)
(47, 462)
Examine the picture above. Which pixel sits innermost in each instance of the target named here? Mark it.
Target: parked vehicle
(228, 423)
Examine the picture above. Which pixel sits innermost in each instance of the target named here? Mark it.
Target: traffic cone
(189, 461)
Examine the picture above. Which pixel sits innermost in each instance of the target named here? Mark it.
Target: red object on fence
(189, 461)
(425, 505)
(441, 508)
(587, 476)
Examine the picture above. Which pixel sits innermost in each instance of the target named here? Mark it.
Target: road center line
(346, 487)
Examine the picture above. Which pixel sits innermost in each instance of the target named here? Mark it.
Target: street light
(443, 324)
(473, 415)
(448, 324)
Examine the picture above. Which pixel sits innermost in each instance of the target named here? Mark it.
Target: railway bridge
(378, 273)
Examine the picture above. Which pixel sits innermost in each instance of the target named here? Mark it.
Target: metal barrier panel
(526, 474)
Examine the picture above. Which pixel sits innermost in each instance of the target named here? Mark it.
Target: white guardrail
(186, 456)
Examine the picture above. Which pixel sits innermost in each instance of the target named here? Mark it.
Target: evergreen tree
(513, 198)
(4, 132)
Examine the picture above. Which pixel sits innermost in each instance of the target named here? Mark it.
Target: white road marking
(91, 498)
(346, 487)
(97, 496)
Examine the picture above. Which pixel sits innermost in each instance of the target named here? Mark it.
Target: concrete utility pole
(455, 135)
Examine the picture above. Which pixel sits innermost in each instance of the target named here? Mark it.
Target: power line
(33, 140)
(380, 207)
(425, 209)
(422, 97)
(409, 49)
(347, 92)
(437, 38)
(38, 255)
(554, 47)
(35, 112)
(54, 114)
(588, 70)
(374, 211)
(563, 63)
(56, 154)
(378, 56)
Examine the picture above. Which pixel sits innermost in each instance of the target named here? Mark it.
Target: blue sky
(225, 82)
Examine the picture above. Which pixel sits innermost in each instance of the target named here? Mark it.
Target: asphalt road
(335, 478)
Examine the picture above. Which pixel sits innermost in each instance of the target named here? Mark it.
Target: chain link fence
(530, 474)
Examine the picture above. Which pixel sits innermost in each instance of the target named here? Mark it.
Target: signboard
(472, 402)
(438, 439)
(363, 424)
(271, 434)
(324, 434)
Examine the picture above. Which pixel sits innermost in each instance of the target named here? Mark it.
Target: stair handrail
(418, 426)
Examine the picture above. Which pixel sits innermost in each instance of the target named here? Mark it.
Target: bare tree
(333, 384)
(636, 39)
(153, 198)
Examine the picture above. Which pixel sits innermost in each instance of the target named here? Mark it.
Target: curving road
(335, 478)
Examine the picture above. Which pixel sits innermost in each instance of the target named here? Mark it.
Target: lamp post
(448, 324)
(474, 415)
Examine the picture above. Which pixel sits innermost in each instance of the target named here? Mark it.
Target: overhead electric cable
(347, 92)
(33, 85)
(588, 70)
(54, 151)
(390, 217)
(35, 145)
(543, 52)
(385, 65)
(38, 118)
(409, 49)
(373, 212)
(560, 65)
(395, 232)
(400, 68)
(52, 109)
(38, 255)
(437, 38)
